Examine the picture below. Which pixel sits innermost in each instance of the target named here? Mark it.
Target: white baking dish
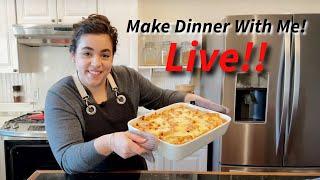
(177, 152)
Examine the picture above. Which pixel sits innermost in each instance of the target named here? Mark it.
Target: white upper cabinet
(8, 61)
(36, 11)
(54, 11)
(71, 11)
(4, 41)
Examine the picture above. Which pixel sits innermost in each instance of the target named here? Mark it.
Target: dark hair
(94, 24)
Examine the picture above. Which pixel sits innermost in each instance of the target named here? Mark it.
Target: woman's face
(93, 59)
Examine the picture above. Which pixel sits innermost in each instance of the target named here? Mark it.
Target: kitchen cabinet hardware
(60, 20)
(52, 20)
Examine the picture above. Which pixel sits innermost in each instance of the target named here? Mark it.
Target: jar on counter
(17, 93)
(165, 47)
(150, 54)
(184, 52)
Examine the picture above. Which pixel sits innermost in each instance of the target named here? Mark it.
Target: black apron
(112, 117)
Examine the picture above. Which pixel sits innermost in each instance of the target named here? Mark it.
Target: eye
(86, 54)
(105, 55)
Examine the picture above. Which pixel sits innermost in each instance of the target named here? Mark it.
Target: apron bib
(109, 117)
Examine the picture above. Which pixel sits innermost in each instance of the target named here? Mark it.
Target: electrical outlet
(36, 95)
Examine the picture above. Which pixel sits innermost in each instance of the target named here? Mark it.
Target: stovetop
(27, 125)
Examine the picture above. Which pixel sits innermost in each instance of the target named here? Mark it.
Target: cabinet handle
(52, 20)
(15, 70)
(59, 20)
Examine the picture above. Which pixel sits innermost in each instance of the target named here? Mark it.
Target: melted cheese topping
(179, 125)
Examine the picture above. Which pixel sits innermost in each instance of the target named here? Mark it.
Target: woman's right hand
(125, 144)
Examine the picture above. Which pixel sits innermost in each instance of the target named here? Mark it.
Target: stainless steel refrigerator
(276, 113)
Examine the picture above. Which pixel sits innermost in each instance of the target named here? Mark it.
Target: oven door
(23, 157)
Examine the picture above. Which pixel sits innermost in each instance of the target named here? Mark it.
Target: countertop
(10, 115)
(174, 175)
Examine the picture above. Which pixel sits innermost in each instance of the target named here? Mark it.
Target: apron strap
(121, 99)
(83, 92)
(79, 86)
(90, 109)
(112, 82)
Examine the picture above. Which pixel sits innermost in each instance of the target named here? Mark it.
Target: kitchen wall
(214, 10)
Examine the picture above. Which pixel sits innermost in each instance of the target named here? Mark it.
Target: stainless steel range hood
(43, 35)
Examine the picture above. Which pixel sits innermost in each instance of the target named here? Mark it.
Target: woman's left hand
(206, 103)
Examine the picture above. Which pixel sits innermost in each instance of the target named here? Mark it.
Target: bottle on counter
(17, 93)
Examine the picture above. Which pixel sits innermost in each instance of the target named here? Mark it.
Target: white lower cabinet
(195, 162)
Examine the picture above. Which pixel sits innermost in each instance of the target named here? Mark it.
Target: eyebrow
(106, 50)
(91, 49)
(87, 48)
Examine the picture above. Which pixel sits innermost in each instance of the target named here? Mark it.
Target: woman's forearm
(190, 97)
(103, 144)
(206, 103)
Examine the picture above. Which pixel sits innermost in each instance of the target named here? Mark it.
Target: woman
(87, 114)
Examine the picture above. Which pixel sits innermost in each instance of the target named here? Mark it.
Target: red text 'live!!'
(228, 60)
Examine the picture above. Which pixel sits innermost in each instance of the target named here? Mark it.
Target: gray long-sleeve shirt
(65, 124)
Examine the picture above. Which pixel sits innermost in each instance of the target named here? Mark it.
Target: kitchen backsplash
(47, 65)
(7, 80)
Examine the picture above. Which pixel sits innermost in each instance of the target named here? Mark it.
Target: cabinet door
(195, 162)
(36, 11)
(72, 11)
(6, 63)
(158, 164)
(4, 43)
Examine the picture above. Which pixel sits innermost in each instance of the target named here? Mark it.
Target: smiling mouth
(95, 72)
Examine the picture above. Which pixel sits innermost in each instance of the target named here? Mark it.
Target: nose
(96, 61)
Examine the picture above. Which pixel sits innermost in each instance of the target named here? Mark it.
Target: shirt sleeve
(153, 97)
(65, 136)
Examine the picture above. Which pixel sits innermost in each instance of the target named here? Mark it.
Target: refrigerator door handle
(281, 124)
(296, 89)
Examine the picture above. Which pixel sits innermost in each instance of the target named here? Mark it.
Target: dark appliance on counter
(24, 146)
(280, 133)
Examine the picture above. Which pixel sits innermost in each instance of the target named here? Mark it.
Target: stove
(24, 147)
(29, 125)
